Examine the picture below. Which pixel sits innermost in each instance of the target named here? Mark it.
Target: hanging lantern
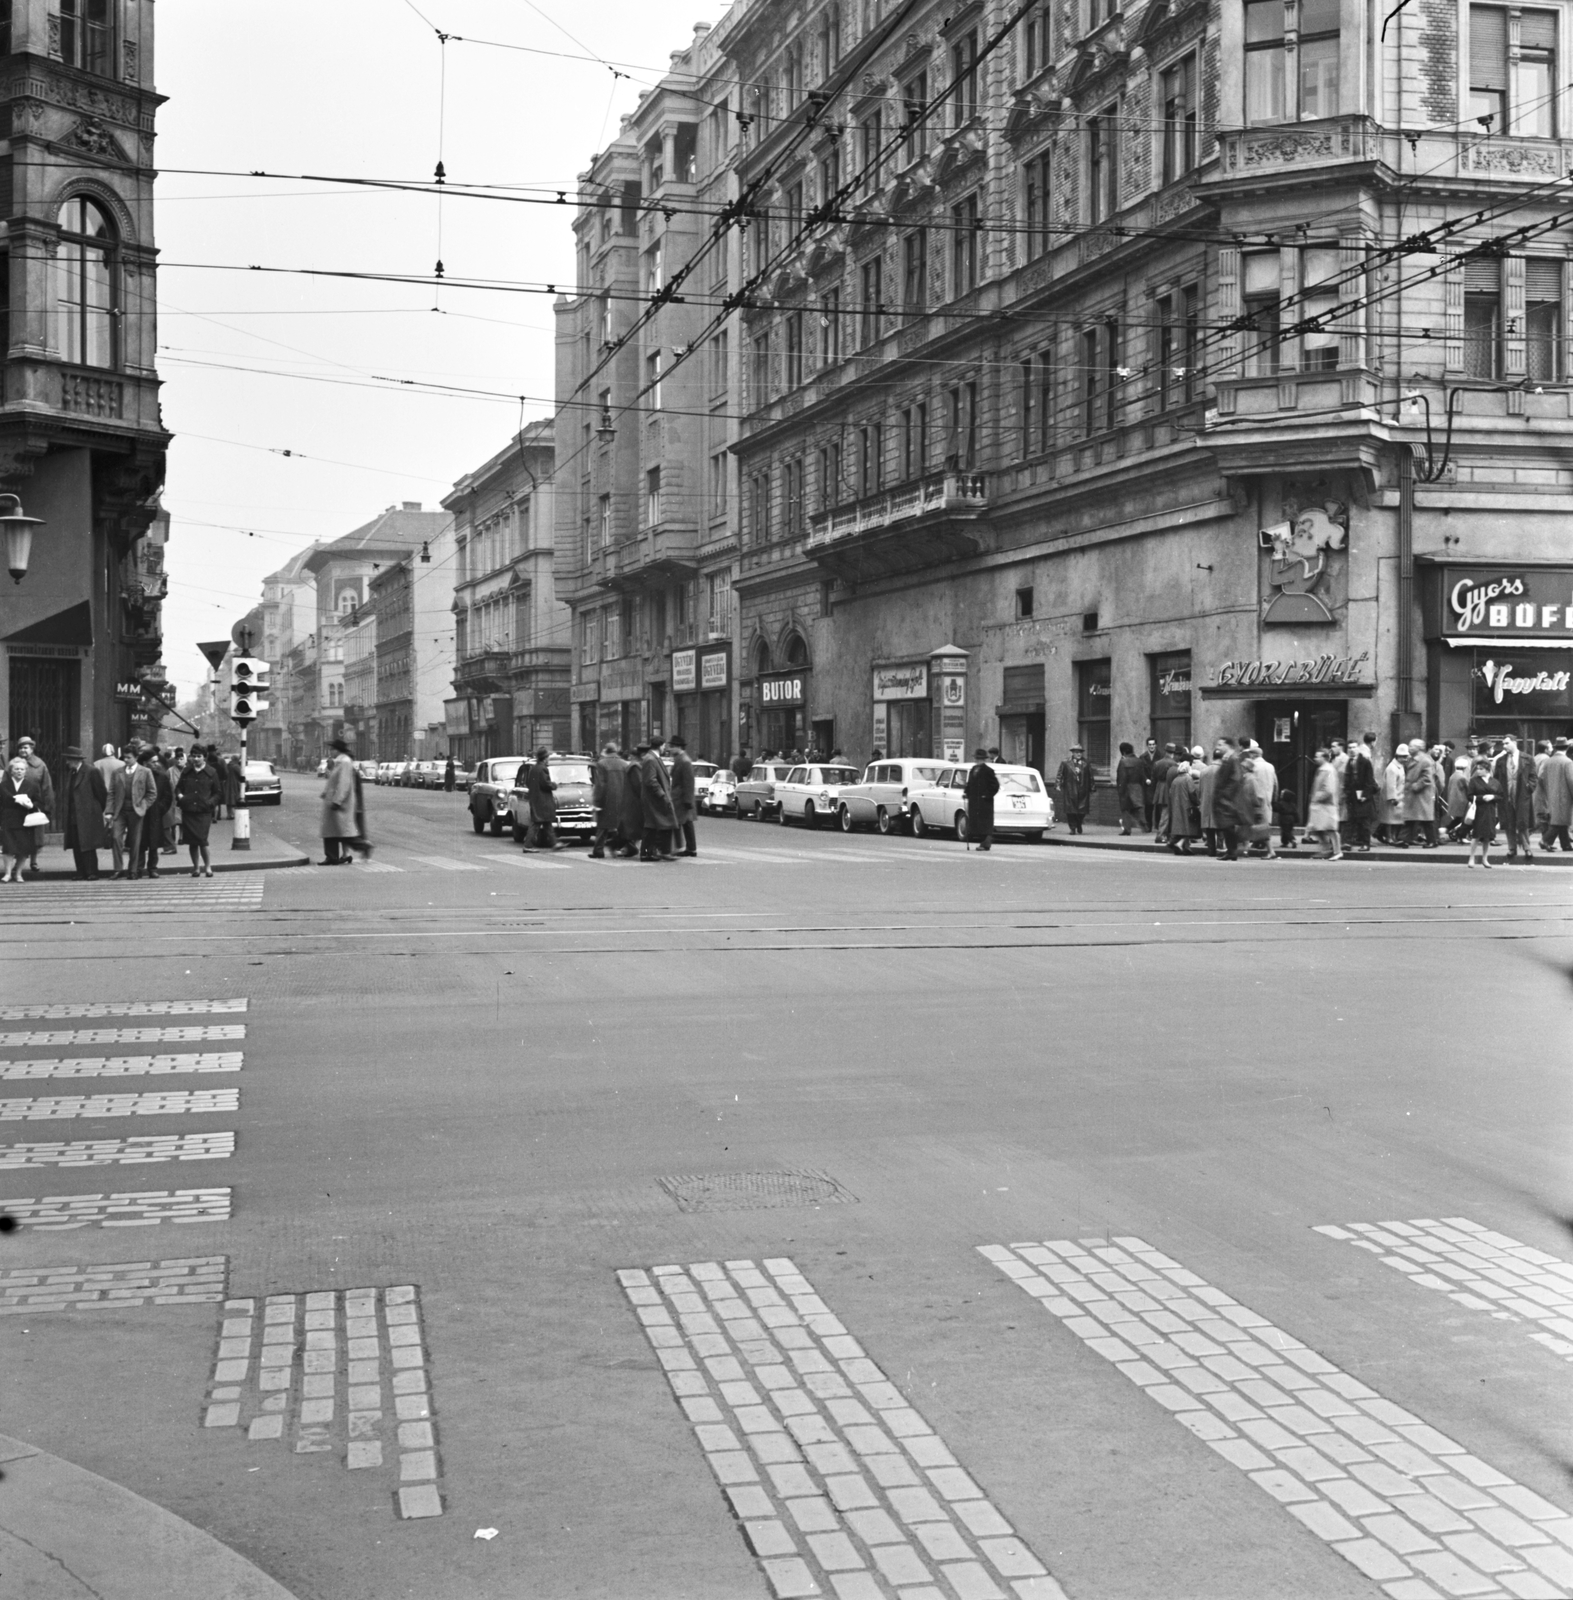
(18, 535)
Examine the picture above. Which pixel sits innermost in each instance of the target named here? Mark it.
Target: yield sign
(215, 650)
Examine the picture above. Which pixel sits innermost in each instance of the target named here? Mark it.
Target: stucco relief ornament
(92, 136)
(1298, 562)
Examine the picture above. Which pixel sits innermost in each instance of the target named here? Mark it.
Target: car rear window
(505, 771)
(837, 775)
(569, 771)
(1026, 782)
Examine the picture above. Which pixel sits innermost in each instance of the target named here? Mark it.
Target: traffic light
(248, 677)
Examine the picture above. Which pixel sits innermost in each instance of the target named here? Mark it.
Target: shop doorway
(45, 700)
(1291, 732)
(909, 726)
(1022, 737)
(824, 736)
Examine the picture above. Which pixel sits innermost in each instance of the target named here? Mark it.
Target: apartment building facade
(647, 508)
(1139, 371)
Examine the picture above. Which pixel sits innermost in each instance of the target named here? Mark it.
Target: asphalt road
(827, 1083)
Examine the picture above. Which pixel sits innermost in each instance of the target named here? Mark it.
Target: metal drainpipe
(1406, 579)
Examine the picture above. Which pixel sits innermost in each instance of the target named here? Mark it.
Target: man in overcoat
(1074, 781)
(1513, 777)
(982, 785)
(684, 806)
(655, 792)
(1558, 781)
(338, 823)
(606, 791)
(86, 803)
(542, 792)
(633, 804)
(1359, 797)
(1420, 777)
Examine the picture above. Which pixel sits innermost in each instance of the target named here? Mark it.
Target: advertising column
(948, 668)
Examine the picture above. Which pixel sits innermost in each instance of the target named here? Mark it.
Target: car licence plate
(1018, 802)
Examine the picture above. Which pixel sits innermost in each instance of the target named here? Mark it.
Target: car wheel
(496, 825)
(919, 827)
(781, 816)
(477, 822)
(517, 833)
(882, 820)
(846, 820)
(810, 816)
(961, 827)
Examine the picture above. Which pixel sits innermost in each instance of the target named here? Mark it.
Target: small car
(322, 768)
(1022, 806)
(881, 799)
(756, 794)
(491, 793)
(720, 794)
(367, 770)
(811, 794)
(574, 797)
(263, 785)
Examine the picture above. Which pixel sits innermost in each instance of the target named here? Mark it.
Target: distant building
(289, 610)
(82, 441)
(511, 632)
(360, 683)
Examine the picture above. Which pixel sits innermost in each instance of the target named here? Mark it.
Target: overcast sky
(255, 364)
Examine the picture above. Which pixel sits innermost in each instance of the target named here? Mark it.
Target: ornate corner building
(81, 439)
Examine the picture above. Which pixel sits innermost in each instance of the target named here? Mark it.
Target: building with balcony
(1173, 369)
(647, 400)
(510, 683)
(82, 441)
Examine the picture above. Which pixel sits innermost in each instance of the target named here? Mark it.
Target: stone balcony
(483, 670)
(654, 556)
(906, 529)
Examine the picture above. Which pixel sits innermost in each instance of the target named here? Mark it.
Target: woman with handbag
(1483, 806)
(20, 797)
(199, 795)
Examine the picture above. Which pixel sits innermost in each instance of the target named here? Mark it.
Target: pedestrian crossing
(47, 901)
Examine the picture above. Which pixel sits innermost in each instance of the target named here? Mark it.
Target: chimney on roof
(412, 505)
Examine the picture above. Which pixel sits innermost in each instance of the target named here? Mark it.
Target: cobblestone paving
(1409, 1507)
(1477, 1268)
(144, 1209)
(840, 1485)
(114, 1285)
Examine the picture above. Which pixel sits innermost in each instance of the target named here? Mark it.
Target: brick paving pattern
(184, 1281)
(119, 1066)
(140, 1149)
(145, 1209)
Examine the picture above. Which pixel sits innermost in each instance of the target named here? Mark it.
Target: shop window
(1483, 318)
(1094, 706)
(1169, 698)
(1512, 83)
(914, 261)
(872, 295)
(965, 222)
(1179, 119)
(1103, 161)
(1261, 291)
(1542, 320)
(1035, 206)
(1320, 266)
(85, 285)
(1024, 602)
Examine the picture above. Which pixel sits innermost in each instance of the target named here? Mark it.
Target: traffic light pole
(242, 838)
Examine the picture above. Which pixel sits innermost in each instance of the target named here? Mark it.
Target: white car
(881, 799)
(1022, 806)
(811, 794)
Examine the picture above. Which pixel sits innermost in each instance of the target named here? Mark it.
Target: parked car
(384, 771)
(880, 800)
(811, 794)
(1022, 807)
(263, 785)
(491, 793)
(720, 794)
(367, 770)
(429, 774)
(575, 809)
(756, 794)
(322, 768)
(462, 777)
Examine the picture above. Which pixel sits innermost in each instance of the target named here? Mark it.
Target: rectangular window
(718, 484)
(964, 76)
(830, 325)
(829, 41)
(830, 476)
(718, 362)
(1029, 392)
(1089, 380)
(1169, 698)
(961, 427)
(829, 174)
(612, 623)
(964, 221)
(1512, 82)
(605, 521)
(1103, 163)
(1319, 265)
(759, 378)
(652, 379)
(794, 349)
(914, 262)
(794, 496)
(794, 208)
(1046, 400)
(652, 496)
(86, 36)
(1034, 42)
(872, 296)
(1261, 292)
(1543, 320)
(1179, 119)
(1483, 318)
(792, 77)
(1318, 52)
(914, 104)
(655, 273)
(759, 506)
(1264, 61)
(1094, 705)
(1035, 206)
(869, 137)
(1024, 604)
(870, 464)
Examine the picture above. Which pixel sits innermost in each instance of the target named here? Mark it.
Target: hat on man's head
(24, 738)
(340, 746)
(73, 752)
(1075, 747)
(1402, 750)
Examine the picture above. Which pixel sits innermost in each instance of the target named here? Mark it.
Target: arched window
(796, 651)
(761, 659)
(85, 286)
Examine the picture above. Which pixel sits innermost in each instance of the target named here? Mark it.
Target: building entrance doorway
(45, 702)
(1022, 739)
(1291, 731)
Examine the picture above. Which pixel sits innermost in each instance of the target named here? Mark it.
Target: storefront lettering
(1472, 606)
(1532, 602)
(1175, 683)
(1274, 674)
(901, 683)
(780, 691)
(1500, 681)
(712, 670)
(684, 671)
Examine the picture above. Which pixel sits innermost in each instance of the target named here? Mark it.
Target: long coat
(17, 800)
(1129, 784)
(338, 800)
(1393, 791)
(1458, 794)
(86, 800)
(656, 792)
(542, 792)
(607, 781)
(1184, 814)
(1359, 788)
(1321, 815)
(45, 784)
(1559, 790)
(1206, 784)
(633, 801)
(1518, 797)
(682, 779)
(1231, 806)
(1420, 790)
(198, 794)
(1075, 786)
(981, 787)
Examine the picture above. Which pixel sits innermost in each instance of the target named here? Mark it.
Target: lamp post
(18, 535)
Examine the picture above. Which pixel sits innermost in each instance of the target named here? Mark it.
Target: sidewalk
(68, 1534)
(1108, 837)
(54, 860)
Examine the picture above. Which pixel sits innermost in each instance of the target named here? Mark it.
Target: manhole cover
(754, 1191)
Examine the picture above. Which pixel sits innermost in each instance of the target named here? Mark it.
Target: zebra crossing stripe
(1400, 1501)
(1475, 1267)
(154, 1103)
(535, 866)
(139, 1150)
(64, 1036)
(448, 864)
(123, 1008)
(838, 1481)
(119, 1066)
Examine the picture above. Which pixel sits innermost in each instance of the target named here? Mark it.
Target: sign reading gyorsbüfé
(1514, 602)
(1325, 671)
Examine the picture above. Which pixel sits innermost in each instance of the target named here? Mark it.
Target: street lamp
(18, 535)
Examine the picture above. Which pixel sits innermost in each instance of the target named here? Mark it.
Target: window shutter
(1487, 47)
(1482, 276)
(1024, 687)
(1542, 281)
(1537, 30)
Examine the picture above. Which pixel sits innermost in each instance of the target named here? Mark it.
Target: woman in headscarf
(1393, 779)
(1185, 821)
(198, 795)
(21, 795)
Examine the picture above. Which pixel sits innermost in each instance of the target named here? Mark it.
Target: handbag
(1469, 814)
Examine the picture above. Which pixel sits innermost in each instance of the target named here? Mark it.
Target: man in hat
(86, 800)
(1074, 781)
(684, 807)
(39, 773)
(339, 825)
(607, 782)
(655, 792)
(542, 792)
(980, 788)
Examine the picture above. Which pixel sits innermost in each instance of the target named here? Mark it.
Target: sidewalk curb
(1446, 855)
(240, 861)
(68, 1534)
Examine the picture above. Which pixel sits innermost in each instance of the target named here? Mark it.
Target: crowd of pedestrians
(139, 803)
(643, 811)
(1232, 803)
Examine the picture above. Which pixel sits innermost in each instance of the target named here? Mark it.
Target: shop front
(702, 701)
(622, 711)
(1499, 651)
(903, 711)
(780, 710)
(584, 697)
